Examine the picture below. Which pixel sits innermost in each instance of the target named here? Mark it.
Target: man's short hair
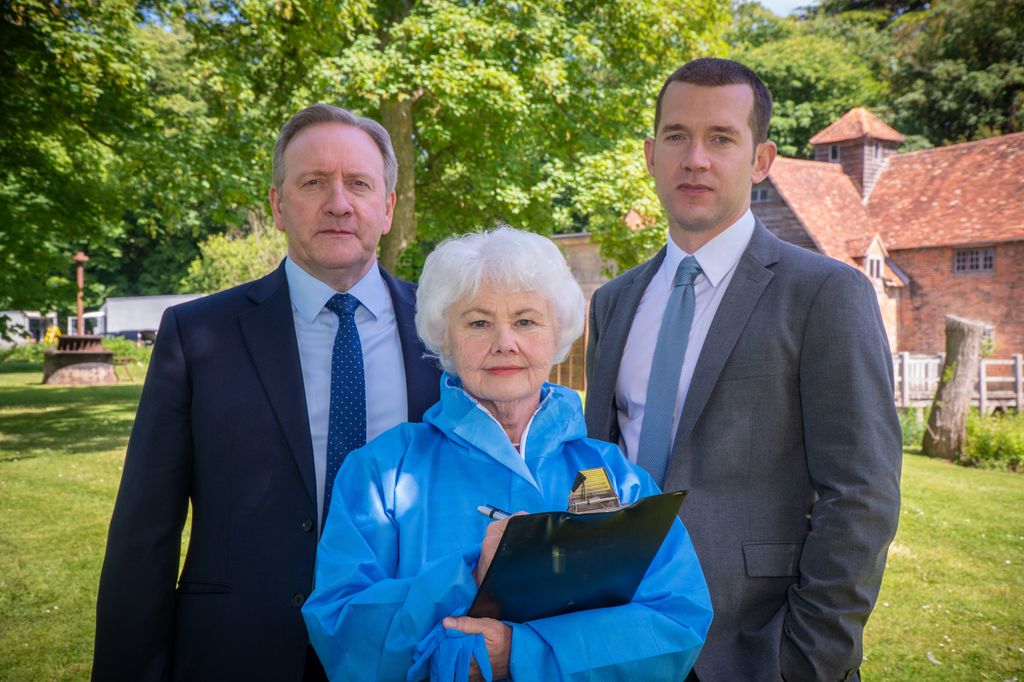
(713, 72)
(326, 113)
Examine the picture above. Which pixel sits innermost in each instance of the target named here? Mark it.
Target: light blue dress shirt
(717, 259)
(383, 366)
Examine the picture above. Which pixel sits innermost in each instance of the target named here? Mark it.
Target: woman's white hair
(507, 260)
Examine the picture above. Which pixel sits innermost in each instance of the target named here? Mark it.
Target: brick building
(937, 231)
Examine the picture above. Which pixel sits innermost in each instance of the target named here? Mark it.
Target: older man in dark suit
(253, 397)
(757, 375)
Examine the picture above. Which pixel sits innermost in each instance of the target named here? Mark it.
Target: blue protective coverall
(403, 537)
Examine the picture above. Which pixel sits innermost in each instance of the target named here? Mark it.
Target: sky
(785, 7)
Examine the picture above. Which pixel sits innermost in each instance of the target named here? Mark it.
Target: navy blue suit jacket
(222, 424)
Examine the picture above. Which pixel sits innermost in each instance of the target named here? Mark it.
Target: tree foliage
(140, 131)
(486, 102)
(73, 87)
(229, 259)
(961, 70)
(940, 72)
(816, 69)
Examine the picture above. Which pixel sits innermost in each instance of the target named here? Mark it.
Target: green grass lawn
(951, 607)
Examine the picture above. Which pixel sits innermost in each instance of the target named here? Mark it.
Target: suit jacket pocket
(753, 370)
(772, 559)
(195, 587)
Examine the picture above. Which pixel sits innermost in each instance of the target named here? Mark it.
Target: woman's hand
(492, 539)
(495, 529)
(497, 636)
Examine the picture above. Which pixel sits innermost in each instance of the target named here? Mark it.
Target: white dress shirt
(383, 366)
(717, 260)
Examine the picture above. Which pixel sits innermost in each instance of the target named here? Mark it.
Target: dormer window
(758, 195)
(833, 152)
(874, 267)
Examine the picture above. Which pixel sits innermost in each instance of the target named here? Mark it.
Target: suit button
(298, 599)
(307, 525)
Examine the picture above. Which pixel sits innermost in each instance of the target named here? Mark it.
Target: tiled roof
(827, 204)
(855, 124)
(962, 194)
(858, 246)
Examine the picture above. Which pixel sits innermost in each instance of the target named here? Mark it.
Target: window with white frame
(874, 267)
(974, 260)
(758, 194)
(833, 152)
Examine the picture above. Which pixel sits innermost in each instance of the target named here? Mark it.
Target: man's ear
(275, 207)
(764, 157)
(649, 154)
(389, 212)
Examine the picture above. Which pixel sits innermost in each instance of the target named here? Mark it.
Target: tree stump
(947, 426)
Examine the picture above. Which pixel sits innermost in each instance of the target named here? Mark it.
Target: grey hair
(505, 258)
(326, 113)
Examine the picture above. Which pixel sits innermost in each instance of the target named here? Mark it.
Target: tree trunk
(396, 116)
(947, 425)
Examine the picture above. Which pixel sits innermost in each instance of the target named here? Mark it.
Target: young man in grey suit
(757, 375)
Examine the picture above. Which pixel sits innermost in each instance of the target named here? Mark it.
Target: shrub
(913, 421)
(123, 348)
(29, 352)
(995, 442)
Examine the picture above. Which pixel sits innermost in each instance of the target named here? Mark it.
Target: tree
(817, 69)
(887, 10)
(961, 70)
(486, 102)
(74, 89)
(229, 259)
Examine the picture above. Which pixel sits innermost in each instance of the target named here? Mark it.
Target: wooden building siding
(859, 160)
(779, 218)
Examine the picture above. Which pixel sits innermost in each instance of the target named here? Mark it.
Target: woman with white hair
(405, 549)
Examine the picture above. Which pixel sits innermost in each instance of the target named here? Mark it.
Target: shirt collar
(718, 256)
(309, 295)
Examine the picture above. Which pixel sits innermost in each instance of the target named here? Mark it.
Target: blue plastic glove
(450, 653)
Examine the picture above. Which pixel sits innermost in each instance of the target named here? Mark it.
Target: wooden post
(905, 379)
(947, 424)
(80, 260)
(1018, 381)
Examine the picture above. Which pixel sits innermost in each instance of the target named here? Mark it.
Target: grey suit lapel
(748, 283)
(616, 332)
(269, 332)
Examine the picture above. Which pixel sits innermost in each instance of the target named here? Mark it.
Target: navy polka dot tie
(346, 428)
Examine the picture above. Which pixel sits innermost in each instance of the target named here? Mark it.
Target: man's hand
(497, 635)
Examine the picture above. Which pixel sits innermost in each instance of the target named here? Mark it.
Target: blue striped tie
(663, 386)
(346, 428)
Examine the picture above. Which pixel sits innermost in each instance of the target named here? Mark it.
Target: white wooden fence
(1000, 383)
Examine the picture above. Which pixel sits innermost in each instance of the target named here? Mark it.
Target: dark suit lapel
(422, 376)
(269, 332)
(748, 283)
(614, 333)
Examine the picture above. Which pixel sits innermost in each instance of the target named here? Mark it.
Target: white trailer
(126, 315)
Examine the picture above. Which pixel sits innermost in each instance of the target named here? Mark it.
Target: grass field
(951, 607)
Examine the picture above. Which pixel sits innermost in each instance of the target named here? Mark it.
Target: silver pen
(492, 512)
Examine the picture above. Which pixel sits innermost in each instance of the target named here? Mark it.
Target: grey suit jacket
(790, 446)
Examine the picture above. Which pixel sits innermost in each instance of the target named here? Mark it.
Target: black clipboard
(557, 562)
